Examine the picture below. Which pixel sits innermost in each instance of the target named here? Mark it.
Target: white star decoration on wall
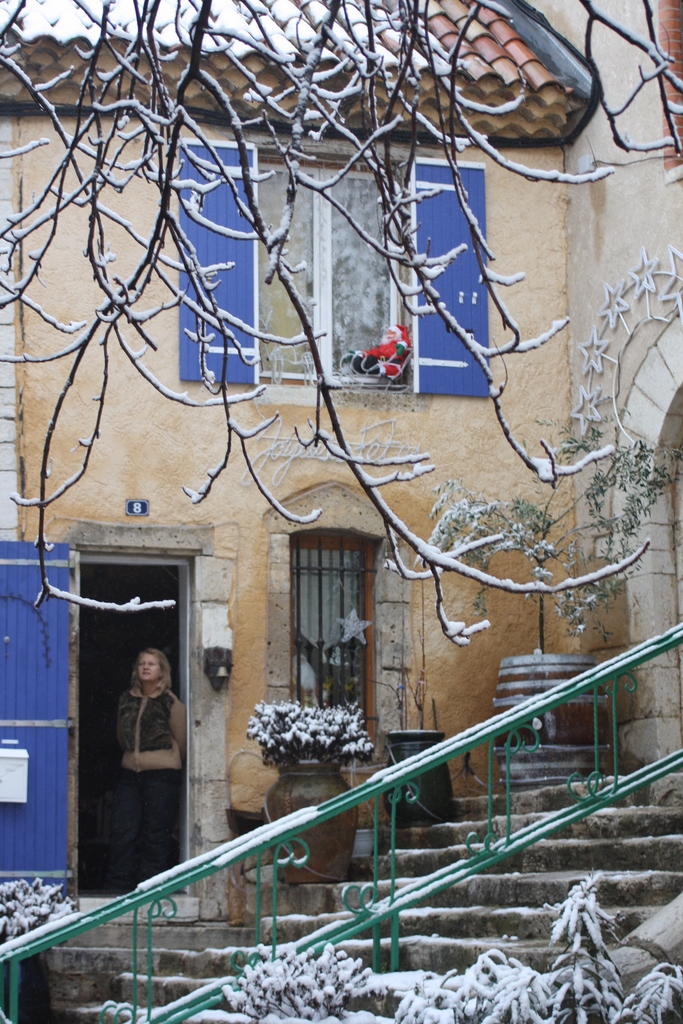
(593, 350)
(352, 626)
(585, 412)
(642, 275)
(613, 304)
(670, 291)
(604, 347)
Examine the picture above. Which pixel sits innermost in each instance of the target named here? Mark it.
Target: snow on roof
(494, 61)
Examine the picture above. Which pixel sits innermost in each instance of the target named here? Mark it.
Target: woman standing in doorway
(151, 729)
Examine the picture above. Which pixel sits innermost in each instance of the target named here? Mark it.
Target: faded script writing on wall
(377, 441)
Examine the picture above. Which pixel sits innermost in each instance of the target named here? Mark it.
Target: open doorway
(109, 644)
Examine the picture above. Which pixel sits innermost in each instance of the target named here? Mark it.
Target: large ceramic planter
(434, 791)
(331, 842)
(566, 733)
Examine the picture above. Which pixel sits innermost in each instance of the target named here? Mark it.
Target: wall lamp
(217, 665)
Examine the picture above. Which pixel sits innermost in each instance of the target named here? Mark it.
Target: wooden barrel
(566, 732)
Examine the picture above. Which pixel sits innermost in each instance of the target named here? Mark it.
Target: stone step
(515, 923)
(78, 976)
(666, 854)
(165, 989)
(610, 823)
(502, 909)
(665, 792)
(425, 953)
(502, 890)
(534, 888)
(91, 1015)
(196, 935)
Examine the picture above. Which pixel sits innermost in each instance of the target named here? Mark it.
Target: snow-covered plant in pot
(25, 906)
(308, 745)
(562, 533)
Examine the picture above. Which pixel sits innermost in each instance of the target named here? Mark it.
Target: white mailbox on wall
(13, 776)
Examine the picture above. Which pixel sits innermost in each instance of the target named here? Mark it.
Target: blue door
(34, 675)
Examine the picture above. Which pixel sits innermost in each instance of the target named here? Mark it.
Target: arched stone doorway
(654, 413)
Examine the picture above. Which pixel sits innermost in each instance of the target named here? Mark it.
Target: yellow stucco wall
(150, 447)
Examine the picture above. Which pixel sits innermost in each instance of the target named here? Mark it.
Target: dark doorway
(109, 645)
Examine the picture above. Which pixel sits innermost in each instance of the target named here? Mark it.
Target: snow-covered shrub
(25, 906)
(299, 985)
(582, 987)
(494, 990)
(431, 1001)
(289, 732)
(657, 998)
(584, 978)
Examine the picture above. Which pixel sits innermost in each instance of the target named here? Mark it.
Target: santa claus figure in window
(385, 359)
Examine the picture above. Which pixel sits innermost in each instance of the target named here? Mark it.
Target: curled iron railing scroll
(242, 958)
(394, 796)
(367, 893)
(165, 907)
(514, 744)
(289, 859)
(238, 961)
(596, 781)
(111, 1012)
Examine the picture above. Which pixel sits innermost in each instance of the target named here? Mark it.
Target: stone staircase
(637, 845)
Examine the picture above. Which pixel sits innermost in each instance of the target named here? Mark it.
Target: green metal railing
(282, 843)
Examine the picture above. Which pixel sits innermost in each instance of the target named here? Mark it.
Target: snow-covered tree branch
(134, 165)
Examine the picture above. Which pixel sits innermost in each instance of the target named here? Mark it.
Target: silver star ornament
(352, 627)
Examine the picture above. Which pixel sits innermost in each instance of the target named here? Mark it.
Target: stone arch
(654, 413)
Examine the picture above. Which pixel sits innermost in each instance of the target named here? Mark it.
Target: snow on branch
(139, 161)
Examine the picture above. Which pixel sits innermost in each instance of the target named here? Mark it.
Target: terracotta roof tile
(503, 31)
(455, 9)
(492, 58)
(489, 49)
(507, 69)
(537, 76)
(475, 66)
(449, 40)
(440, 25)
(474, 30)
(486, 16)
(519, 52)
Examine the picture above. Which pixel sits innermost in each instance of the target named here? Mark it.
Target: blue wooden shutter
(236, 291)
(444, 366)
(34, 678)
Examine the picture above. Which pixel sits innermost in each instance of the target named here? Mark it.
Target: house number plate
(137, 507)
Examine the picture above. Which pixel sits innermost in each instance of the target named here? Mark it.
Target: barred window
(332, 613)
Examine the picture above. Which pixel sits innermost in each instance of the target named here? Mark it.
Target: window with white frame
(345, 284)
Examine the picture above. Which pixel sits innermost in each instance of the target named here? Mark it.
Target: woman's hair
(165, 680)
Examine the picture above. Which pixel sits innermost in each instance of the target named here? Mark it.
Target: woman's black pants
(141, 831)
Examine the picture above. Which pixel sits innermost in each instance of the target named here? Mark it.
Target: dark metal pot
(331, 842)
(434, 790)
